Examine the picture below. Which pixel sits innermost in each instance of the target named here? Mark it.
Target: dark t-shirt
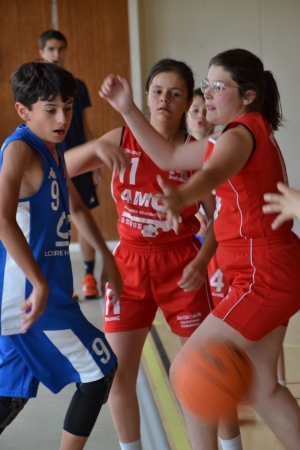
(75, 136)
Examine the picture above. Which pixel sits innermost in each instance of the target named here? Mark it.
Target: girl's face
(196, 119)
(167, 97)
(223, 104)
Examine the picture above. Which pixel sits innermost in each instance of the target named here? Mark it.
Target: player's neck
(169, 132)
(53, 150)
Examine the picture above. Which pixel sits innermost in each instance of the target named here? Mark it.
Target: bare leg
(72, 442)
(88, 252)
(281, 368)
(228, 427)
(274, 403)
(123, 401)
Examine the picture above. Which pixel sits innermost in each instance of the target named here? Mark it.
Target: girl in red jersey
(159, 268)
(200, 128)
(261, 264)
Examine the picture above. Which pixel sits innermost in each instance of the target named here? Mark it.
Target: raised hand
(117, 91)
(287, 205)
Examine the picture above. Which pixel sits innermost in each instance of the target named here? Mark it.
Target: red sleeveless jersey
(239, 200)
(137, 196)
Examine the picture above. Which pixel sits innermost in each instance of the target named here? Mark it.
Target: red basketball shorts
(150, 275)
(264, 283)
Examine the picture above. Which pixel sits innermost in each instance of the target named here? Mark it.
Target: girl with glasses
(159, 268)
(261, 264)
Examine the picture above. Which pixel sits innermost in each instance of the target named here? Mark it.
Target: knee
(261, 389)
(9, 409)
(97, 390)
(86, 405)
(125, 381)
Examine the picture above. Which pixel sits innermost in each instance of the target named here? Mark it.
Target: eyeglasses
(216, 86)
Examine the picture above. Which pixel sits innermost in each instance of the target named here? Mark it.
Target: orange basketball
(211, 381)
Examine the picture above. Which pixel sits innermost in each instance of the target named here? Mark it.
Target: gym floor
(39, 425)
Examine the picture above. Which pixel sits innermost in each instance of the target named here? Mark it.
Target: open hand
(172, 204)
(287, 205)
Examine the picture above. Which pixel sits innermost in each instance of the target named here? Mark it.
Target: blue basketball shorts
(55, 358)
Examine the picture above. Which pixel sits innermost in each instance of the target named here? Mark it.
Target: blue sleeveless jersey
(44, 219)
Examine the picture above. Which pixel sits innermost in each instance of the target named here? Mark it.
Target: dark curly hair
(35, 81)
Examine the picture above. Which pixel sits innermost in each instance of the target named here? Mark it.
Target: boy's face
(54, 52)
(48, 119)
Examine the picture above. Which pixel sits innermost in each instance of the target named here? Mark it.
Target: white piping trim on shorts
(251, 284)
(239, 208)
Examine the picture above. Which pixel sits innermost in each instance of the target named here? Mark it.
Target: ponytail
(271, 108)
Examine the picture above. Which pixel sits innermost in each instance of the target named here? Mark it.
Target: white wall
(196, 30)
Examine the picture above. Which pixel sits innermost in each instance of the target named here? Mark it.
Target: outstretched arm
(95, 153)
(117, 91)
(86, 224)
(287, 205)
(230, 154)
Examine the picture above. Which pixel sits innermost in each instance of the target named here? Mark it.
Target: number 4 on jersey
(216, 281)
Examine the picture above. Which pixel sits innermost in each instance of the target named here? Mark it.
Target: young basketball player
(201, 129)
(159, 267)
(51, 341)
(261, 264)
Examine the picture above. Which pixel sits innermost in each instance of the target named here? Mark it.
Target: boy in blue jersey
(51, 341)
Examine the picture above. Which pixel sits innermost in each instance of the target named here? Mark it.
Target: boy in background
(52, 47)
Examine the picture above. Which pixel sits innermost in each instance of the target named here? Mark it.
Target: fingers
(283, 188)
(111, 275)
(106, 86)
(276, 201)
(280, 219)
(274, 206)
(111, 155)
(30, 316)
(117, 292)
(121, 161)
(173, 222)
(162, 184)
(191, 280)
